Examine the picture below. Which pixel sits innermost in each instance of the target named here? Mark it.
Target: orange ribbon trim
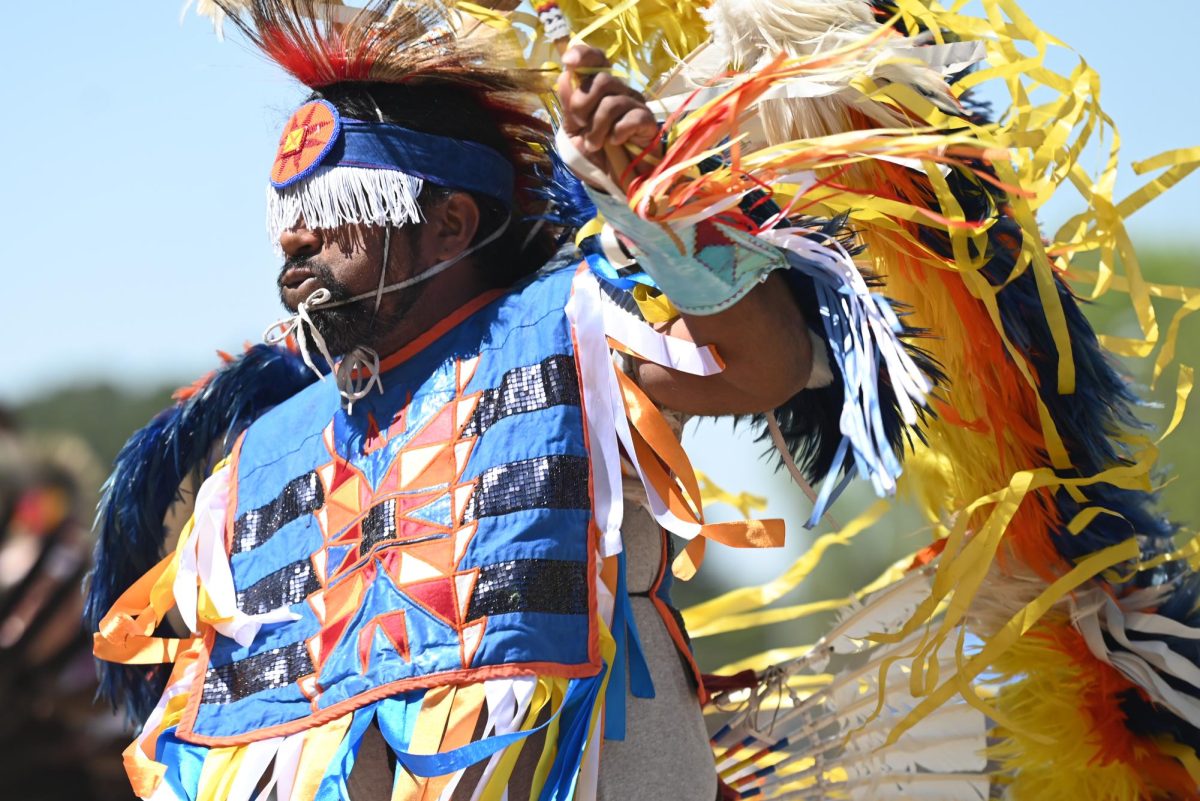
(126, 633)
(669, 471)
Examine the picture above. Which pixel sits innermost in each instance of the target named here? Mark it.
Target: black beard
(357, 324)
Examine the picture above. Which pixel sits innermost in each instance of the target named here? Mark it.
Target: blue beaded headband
(318, 136)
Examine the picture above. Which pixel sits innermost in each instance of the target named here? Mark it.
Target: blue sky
(137, 150)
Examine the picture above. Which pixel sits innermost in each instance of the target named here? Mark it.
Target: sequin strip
(552, 382)
(548, 482)
(289, 585)
(269, 670)
(303, 495)
(378, 525)
(530, 585)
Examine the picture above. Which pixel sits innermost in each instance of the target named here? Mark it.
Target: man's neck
(442, 296)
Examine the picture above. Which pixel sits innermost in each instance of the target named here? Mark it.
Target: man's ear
(453, 224)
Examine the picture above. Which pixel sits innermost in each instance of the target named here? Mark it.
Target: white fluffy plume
(748, 33)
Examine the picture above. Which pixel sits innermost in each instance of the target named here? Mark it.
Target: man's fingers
(584, 56)
(584, 102)
(638, 127)
(581, 64)
(610, 110)
(598, 108)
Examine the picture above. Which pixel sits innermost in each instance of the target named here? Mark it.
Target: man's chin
(340, 335)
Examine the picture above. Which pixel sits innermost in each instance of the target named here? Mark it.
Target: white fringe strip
(334, 196)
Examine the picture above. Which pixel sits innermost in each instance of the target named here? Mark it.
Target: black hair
(456, 110)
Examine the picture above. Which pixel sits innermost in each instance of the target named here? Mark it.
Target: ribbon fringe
(334, 196)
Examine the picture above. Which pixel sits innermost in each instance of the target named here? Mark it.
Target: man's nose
(300, 242)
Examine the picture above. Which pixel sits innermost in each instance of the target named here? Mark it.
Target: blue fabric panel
(183, 762)
(557, 430)
(284, 438)
(225, 650)
(267, 708)
(301, 536)
(529, 636)
(526, 535)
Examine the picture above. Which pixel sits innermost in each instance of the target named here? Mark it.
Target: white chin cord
(357, 374)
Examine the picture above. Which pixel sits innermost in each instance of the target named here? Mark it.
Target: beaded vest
(440, 533)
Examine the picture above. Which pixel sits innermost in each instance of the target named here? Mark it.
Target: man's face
(347, 261)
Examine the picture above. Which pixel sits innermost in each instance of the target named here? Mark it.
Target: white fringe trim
(334, 196)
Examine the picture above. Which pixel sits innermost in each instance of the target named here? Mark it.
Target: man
(450, 517)
(442, 571)
(600, 111)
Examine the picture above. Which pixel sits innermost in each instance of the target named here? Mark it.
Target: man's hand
(601, 111)
(762, 338)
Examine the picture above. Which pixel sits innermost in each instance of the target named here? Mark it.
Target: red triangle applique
(328, 639)
(393, 626)
(436, 597)
(711, 235)
(389, 561)
(351, 534)
(342, 471)
(366, 643)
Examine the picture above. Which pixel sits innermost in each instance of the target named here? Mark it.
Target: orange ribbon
(126, 633)
(669, 471)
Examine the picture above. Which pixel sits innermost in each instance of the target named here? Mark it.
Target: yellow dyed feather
(646, 37)
(1046, 689)
(984, 474)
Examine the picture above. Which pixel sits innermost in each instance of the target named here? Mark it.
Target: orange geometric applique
(394, 506)
(306, 140)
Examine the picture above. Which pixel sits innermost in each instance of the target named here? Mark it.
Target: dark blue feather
(570, 206)
(145, 482)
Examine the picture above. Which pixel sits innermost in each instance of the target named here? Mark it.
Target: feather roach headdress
(332, 169)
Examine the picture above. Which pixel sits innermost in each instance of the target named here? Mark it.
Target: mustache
(319, 270)
(311, 263)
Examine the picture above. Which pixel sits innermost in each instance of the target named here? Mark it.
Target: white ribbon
(600, 410)
(204, 563)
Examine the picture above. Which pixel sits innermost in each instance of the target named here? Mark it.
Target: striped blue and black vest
(441, 533)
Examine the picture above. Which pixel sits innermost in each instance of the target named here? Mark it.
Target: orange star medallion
(307, 138)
